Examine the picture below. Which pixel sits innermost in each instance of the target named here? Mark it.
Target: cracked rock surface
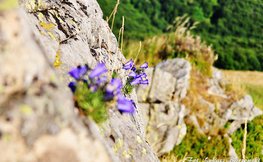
(164, 115)
(39, 42)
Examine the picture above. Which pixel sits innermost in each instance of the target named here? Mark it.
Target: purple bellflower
(132, 74)
(73, 86)
(136, 81)
(145, 65)
(125, 105)
(101, 80)
(144, 81)
(143, 75)
(128, 65)
(115, 85)
(93, 88)
(100, 69)
(114, 88)
(78, 72)
(133, 68)
(108, 96)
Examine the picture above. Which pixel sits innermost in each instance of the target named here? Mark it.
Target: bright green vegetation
(91, 103)
(137, 24)
(197, 145)
(128, 88)
(256, 92)
(233, 27)
(178, 43)
(254, 140)
(235, 30)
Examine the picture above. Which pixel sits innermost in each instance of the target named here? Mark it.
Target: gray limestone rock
(215, 82)
(125, 140)
(162, 87)
(143, 90)
(37, 121)
(234, 127)
(73, 33)
(232, 153)
(180, 69)
(242, 109)
(136, 117)
(42, 41)
(211, 120)
(166, 126)
(193, 119)
(145, 109)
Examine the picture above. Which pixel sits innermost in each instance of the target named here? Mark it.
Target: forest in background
(233, 27)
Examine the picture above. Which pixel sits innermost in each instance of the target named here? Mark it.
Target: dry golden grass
(245, 77)
(171, 157)
(236, 89)
(244, 82)
(178, 43)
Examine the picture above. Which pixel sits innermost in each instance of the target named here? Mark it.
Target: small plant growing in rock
(135, 76)
(92, 95)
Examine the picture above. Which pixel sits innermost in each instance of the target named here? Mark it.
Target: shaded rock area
(41, 40)
(215, 84)
(164, 115)
(241, 110)
(37, 121)
(180, 69)
(39, 43)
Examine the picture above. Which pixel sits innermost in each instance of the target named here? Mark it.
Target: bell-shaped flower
(144, 81)
(115, 85)
(128, 65)
(136, 81)
(99, 69)
(73, 86)
(78, 72)
(108, 96)
(93, 88)
(101, 80)
(143, 75)
(125, 105)
(114, 88)
(145, 65)
(132, 74)
(133, 68)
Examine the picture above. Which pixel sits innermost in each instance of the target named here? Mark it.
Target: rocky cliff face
(164, 115)
(39, 42)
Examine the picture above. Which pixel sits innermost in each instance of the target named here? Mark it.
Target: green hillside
(233, 27)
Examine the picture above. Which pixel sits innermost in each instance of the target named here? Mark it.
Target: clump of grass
(198, 88)
(254, 141)
(128, 88)
(256, 93)
(234, 88)
(170, 157)
(93, 94)
(243, 82)
(178, 43)
(200, 146)
(90, 105)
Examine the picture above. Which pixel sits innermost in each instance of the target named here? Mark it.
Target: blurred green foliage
(233, 27)
(200, 146)
(256, 93)
(128, 88)
(254, 139)
(91, 103)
